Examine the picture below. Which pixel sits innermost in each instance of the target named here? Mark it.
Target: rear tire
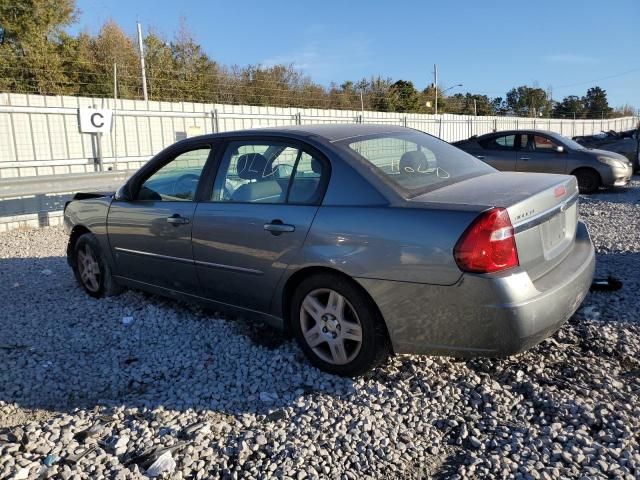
(337, 325)
(588, 180)
(91, 268)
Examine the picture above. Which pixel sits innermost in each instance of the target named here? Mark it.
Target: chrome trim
(219, 266)
(543, 217)
(154, 255)
(231, 268)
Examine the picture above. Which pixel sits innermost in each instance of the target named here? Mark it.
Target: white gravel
(235, 400)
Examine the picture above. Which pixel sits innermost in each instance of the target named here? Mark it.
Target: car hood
(596, 152)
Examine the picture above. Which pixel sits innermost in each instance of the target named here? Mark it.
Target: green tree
(570, 107)
(596, 104)
(403, 97)
(528, 101)
(32, 35)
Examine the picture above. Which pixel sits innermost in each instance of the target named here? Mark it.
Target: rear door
(150, 234)
(264, 198)
(499, 151)
(538, 153)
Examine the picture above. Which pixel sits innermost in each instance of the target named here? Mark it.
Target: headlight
(614, 162)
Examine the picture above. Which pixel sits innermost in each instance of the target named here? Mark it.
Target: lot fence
(40, 135)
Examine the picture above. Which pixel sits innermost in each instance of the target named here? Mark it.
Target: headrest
(251, 166)
(316, 166)
(413, 163)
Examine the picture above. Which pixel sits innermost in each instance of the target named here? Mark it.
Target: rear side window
(504, 142)
(415, 161)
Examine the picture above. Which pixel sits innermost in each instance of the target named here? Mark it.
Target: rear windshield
(415, 162)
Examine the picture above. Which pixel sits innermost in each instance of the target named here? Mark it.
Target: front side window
(538, 143)
(264, 172)
(415, 161)
(178, 180)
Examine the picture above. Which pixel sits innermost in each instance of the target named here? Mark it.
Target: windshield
(568, 142)
(416, 162)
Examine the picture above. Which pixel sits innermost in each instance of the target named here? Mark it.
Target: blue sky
(488, 46)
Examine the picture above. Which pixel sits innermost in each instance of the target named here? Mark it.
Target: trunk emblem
(560, 191)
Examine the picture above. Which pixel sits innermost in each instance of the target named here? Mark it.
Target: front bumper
(485, 315)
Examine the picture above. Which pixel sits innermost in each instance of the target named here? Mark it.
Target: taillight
(488, 245)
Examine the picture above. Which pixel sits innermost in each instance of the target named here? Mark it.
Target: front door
(264, 198)
(539, 153)
(150, 234)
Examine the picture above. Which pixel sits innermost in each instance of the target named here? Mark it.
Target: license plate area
(554, 232)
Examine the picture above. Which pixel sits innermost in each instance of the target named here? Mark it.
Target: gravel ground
(89, 394)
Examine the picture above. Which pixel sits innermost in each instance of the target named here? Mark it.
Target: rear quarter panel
(391, 243)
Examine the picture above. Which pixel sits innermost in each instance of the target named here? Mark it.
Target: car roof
(525, 131)
(330, 132)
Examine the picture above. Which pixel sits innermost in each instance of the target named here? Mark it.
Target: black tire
(105, 285)
(374, 348)
(588, 180)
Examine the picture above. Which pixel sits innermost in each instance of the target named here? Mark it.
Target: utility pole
(435, 85)
(361, 103)
(115, 110)
(475, 107)
(144, 71)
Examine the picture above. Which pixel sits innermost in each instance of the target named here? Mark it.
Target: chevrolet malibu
(360, 240)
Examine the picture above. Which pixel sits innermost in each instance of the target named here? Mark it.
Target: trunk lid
(542, 208)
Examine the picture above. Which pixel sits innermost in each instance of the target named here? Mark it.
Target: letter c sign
(93, 120)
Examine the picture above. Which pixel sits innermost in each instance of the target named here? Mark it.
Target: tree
(32, 34)
(570, 107)
(528, 101)
(468, 104)
(404, 97)
(596, 104)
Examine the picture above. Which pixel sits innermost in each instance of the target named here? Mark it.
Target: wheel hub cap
(330, 326)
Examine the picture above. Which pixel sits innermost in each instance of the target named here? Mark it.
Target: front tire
(588, 180)
(91, 269)
(337, 326)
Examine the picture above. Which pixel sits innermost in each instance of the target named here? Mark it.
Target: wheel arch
(585, 168)
(297, 277)
(76, 232)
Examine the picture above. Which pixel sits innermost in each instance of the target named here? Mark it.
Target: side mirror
(559, 149)
(122, 194)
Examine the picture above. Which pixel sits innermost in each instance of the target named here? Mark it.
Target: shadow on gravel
(61, 350)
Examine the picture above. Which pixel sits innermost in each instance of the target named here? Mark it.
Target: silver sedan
(360, 240)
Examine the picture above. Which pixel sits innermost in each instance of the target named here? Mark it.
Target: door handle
(525, 158)
(481, 157)
(176, 220)
(276, 227)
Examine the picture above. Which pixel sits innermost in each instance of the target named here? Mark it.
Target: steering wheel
(186, 183)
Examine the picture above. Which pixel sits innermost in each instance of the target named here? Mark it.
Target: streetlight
(458, 85)
(435, 85)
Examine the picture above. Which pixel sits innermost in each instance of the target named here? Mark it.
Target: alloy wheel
(330, 326)
(89, 269)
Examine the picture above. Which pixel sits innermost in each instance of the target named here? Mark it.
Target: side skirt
(205, 302)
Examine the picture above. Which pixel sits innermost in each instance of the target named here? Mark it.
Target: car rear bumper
(485, 315)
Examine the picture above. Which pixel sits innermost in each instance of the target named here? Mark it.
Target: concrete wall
(39, 135)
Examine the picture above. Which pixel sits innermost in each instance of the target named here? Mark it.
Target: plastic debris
(164, 463)
(609, 284)
(51, 459)
(590, 312)
(73, 459)
(46, 271)
(127, 320)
